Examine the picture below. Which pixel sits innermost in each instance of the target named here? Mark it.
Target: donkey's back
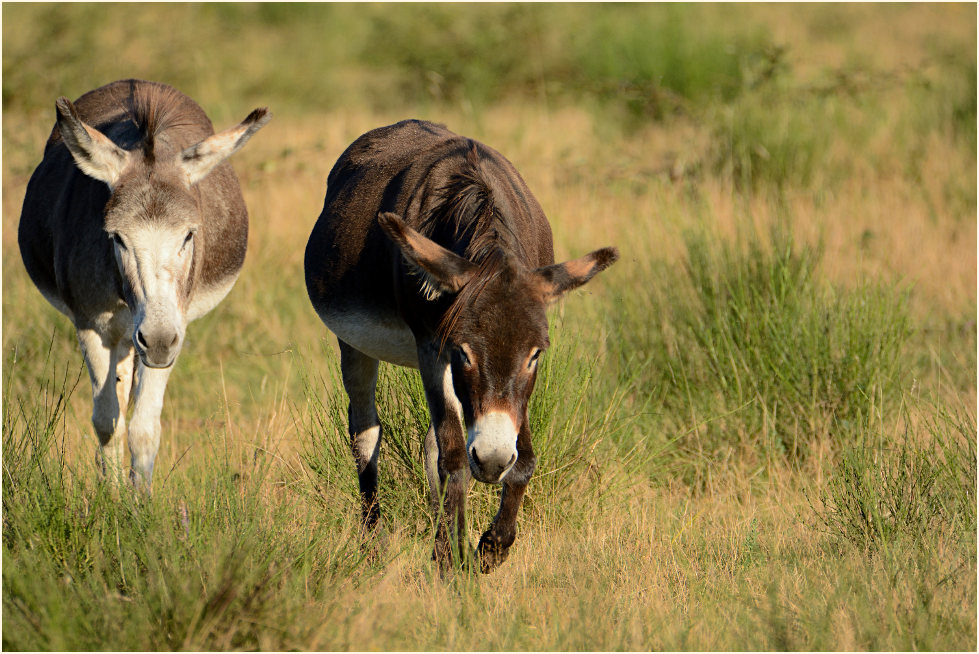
(411, 168)
(424, 173)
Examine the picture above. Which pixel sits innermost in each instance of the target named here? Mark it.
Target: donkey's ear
(441, 270)
(94, 153)
(559, 278)
(199, 160)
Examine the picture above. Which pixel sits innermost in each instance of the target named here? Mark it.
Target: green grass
(774, 138)
(749, 354)
(645, 62)
(191, 567)
(893, 487)
(217, 561)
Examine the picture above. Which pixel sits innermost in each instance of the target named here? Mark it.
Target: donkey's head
(495, 331)
(153, 216)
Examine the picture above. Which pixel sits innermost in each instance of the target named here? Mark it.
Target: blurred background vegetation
(641, 62)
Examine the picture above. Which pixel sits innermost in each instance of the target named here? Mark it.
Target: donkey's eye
(187, 239)
(118, 241)
(534, 358)
(464, 358)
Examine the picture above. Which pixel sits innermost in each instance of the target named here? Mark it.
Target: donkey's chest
(386, 338)
(207, 297)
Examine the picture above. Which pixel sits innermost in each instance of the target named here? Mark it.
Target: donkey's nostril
(475, 457)
(141, 339)
(512, 459)
(174, 341)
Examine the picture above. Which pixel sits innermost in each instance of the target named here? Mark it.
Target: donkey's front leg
(145, 428)
(452, 463)
(359, 373)
(108, 416)
(494, 545)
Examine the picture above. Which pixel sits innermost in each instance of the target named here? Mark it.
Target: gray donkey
(133, 225)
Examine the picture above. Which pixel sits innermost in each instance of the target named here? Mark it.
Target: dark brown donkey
(431, 252)
(133, 225)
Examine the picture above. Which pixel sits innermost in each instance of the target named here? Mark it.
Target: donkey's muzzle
(492, 447)
(157, 347)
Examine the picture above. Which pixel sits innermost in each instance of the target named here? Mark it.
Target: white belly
(389, 341)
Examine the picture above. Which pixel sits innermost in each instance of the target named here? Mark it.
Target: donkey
(431, 252)
(132, 226)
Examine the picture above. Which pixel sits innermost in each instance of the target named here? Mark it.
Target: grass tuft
(886, 490)
(759, 353)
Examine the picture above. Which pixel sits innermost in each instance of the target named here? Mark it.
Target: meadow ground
(755, 431)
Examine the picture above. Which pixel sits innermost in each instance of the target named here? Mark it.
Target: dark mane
(492, 265)
(467, 219)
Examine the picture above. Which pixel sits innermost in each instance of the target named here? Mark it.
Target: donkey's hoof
(491, 553)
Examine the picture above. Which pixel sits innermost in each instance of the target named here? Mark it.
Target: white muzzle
(492, 446)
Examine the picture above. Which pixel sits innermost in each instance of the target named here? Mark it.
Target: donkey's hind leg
(360, 381)
(108, 417)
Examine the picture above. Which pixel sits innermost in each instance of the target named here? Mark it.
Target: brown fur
(433, 242)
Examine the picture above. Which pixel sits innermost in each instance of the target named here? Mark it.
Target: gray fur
(115, 164)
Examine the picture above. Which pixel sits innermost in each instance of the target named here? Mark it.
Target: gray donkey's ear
(200, 159)
(94, 153)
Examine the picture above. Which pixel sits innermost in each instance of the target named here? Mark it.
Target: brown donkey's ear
(94, 153)
(441, 270)
(559, 278)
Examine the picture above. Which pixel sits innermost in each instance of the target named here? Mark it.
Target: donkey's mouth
(481, 476)
(150, 363)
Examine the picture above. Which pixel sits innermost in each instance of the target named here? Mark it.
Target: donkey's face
(495, 331)
(153, 218)
(496, 338)
(153, 226)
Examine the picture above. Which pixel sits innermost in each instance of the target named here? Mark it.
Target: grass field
(755, 431)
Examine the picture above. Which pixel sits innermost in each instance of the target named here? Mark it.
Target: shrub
(650, 60)
(886, 489)
(775, 136)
